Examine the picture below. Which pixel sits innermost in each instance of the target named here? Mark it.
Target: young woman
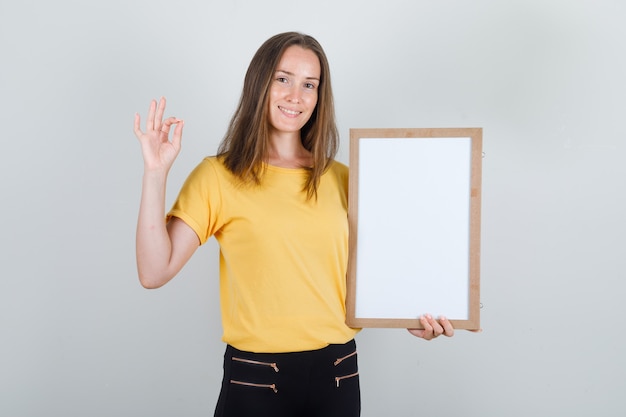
(276, 201)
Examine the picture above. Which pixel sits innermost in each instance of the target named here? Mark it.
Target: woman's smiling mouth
(288, 112)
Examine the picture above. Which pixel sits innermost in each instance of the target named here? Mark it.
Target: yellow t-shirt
(283, 258)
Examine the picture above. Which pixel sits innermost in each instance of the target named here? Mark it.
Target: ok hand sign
(158, 151)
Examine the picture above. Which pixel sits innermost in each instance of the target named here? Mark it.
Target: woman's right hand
(162, 249)
(158, 151)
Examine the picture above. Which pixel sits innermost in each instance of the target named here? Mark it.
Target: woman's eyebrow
(292, 74)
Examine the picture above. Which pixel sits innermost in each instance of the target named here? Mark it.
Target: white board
(413, 202)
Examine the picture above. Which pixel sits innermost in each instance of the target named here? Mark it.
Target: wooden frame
(414, 214)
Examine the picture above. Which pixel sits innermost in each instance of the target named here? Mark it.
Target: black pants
(315, 383)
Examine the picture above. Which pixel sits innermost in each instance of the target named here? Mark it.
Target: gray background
(545, 79)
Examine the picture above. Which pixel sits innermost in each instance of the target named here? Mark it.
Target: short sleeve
(199, 202)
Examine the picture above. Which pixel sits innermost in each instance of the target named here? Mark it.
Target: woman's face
(293, 91)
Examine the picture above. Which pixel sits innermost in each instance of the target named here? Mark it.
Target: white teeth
(289, 111)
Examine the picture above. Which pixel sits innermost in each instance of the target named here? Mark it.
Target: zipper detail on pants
(339, 360)
(250, 384)
(338, 379)
(272, 365)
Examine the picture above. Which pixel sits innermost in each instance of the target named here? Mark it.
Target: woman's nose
(293, 95)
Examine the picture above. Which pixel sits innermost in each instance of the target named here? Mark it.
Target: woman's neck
(286, 151)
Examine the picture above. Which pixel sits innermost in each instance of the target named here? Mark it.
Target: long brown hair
(244, 148)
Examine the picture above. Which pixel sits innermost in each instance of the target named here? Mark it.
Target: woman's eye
(281, 79)
(310, 86)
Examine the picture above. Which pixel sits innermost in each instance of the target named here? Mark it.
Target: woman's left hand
(433, 328)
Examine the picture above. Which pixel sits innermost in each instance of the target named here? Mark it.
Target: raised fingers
(151, 114)
(155, 120)
(160, 110)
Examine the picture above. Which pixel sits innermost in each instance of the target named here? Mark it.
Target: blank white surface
(413, 228)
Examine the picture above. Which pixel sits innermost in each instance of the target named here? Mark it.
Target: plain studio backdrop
(545, 79)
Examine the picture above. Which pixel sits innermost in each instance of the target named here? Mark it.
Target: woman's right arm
(162, 249)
